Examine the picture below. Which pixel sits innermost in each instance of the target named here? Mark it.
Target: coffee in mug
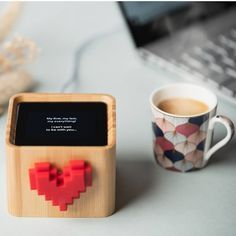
(182, 106)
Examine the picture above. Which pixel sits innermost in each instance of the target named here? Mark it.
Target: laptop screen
(150, 21)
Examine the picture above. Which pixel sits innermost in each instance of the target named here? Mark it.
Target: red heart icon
(61, 188)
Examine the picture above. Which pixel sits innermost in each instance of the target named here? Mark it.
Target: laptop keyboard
(214, 63)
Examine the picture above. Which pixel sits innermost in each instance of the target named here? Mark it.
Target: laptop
(196, 40)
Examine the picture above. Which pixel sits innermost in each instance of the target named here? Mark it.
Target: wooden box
(97, 201)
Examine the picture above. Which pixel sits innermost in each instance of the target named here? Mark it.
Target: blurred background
(94, 30)
(58, 29)
(86, 46)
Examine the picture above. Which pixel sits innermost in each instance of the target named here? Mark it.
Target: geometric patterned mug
(183, 143)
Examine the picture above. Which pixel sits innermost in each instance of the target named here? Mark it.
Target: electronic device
(61, 155)
(196, 40)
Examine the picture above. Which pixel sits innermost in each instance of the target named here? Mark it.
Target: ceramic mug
(183, 143)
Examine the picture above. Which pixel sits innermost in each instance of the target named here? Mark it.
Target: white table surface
(150, 200)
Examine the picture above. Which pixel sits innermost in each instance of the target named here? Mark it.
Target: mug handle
(230, 133)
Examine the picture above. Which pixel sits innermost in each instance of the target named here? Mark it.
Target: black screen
(150, 21)
(61, 124)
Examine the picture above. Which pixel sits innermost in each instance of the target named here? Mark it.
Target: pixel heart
(61, 188)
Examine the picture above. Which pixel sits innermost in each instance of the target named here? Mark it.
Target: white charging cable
(79, 53)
